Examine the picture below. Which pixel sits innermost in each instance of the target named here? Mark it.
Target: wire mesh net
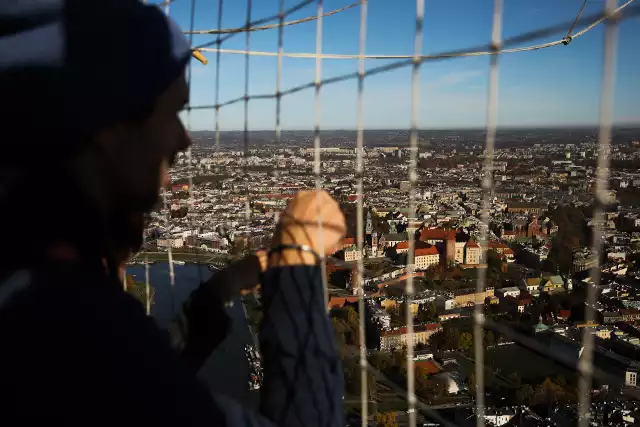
(611, 15)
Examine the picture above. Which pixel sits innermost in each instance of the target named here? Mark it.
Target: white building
(171, 242)
(452, 380)
(499, 416)
(352, 254)
(382, 317)
(512, 291)
(531, 285)
(631, 378)
(426, 257)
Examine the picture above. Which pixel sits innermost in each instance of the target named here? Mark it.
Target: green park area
(510, 360)
(139, 290)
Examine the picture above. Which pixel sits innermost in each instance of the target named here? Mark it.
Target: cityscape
(226, 196)
(475, 166)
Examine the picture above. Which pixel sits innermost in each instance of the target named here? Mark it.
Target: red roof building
(427, 367)
(564, 314)
(404, 246)
(428, 327)
(434, 235)
(348, 241)
(432, 250)
(339, 302)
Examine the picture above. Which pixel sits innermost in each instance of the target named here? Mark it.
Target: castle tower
(450, 247)
(355, 283)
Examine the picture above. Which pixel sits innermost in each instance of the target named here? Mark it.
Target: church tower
(374, 244)
(369, 225)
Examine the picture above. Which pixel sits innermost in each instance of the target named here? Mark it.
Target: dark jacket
(75, 349)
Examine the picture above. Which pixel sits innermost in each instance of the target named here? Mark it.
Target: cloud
(453, 79)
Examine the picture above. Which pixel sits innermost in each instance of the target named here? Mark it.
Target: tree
(447, 339)
(338, 332)
(385, 419)
(399, 315)
(466, 341)
(550, 394)
(428, 312)
(572, 232)
(139, 290)
(494, 262)
(391, 252)
(420, 346)
(380, 360)
(352, 316)
(352, 379)
(524, 394)
(514, 379)
(489, 338)
(339, 278)
(471, 382)
(400, 361)
(428, 389)
(346, 325)
(402, 259)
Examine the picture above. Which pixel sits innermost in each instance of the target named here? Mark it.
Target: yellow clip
(199, 56)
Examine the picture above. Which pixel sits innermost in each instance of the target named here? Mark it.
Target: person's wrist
(294, 234)
(291, 257)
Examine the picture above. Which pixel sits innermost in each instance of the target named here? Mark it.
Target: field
(531, 366)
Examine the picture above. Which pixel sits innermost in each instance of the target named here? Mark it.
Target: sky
(551, 87)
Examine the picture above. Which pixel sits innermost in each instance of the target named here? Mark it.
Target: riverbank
(187, 257)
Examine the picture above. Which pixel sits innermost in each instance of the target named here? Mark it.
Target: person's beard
(128, 230)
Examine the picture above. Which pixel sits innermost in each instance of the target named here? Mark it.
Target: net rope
(487, 186)
(605, 120)
(612, 15)
(633, 11)
(364, 374)
(279, 25)
(593, 21)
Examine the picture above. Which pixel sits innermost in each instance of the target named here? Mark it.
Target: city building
(397, 338)
(170, 242)
(471, 253)
(631, 378)
(352, 254)
(426, 257)
(469, 297)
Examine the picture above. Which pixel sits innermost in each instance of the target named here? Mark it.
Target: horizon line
(508, 127)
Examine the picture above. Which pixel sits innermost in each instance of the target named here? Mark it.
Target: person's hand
(262, 259)
(313, 219)
(241, 277)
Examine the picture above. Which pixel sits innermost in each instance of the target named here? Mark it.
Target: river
(227, 370)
